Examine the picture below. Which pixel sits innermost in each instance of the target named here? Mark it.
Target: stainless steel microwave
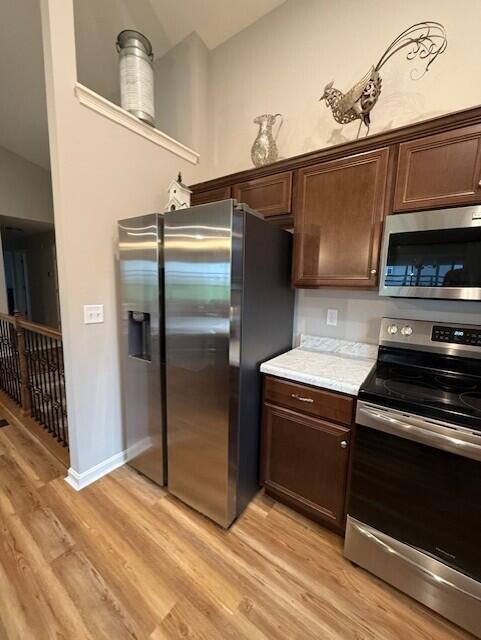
(432, 254)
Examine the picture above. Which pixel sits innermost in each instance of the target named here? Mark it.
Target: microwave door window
(440, 258)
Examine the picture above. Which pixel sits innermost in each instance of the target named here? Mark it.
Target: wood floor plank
(140, 487)
(129, 568)
(190, 574)
(124, 560)
(13, 616)
(48, 532)
(267, 586)
(185, 622)
(48, 611)
(38, 465)
(15, 488)
(101, 612)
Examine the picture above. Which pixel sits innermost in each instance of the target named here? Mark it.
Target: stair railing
(32, 372)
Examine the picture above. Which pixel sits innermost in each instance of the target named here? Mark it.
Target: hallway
(121, 560)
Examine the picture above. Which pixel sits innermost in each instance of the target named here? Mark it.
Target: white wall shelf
(113, 112)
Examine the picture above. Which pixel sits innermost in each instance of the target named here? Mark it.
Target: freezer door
(203, 262)
(140, 324)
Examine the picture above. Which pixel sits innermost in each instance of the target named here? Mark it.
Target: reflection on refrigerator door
(141, 289)
(215, 262)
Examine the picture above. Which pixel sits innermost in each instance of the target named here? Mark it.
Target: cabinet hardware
(343, 444)
(479, 183)
(373, 272)
(301, 398)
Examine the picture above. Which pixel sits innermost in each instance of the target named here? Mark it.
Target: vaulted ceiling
(23, 119)
(23, 112)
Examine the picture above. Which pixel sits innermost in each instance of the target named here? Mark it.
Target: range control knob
(392, 329)
(407, 331)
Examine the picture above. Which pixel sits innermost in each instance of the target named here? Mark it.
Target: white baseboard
(79, 481)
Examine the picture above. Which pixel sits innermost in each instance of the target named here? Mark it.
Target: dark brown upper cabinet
(211, 195)
(270, 196)
(442, 170)
(339, 211)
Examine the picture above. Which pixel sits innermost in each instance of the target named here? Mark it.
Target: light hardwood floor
(122, 559)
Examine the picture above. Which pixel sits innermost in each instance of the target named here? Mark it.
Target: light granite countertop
(330, 363)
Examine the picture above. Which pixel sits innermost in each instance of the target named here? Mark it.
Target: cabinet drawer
(212, 195)
(310, 400)
(270, 196)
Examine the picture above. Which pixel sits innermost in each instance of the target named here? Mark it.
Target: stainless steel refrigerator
(224, 305)
(140, 271)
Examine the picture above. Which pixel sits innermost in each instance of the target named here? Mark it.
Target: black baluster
(10, 362)
(28, 357)
(43, 385)
(55, 389)
(18, 388)
(31, 365)
(51, 388)
(38, 381)
(63, 402)
(2, 356)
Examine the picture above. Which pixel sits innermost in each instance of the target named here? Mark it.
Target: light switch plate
(93, 313)
(331, 318)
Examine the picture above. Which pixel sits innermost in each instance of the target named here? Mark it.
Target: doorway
(16, 277)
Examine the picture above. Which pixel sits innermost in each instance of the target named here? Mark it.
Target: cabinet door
(305, 463)
(212, 195)
(270, 196)
(439, 171)
(338, 219)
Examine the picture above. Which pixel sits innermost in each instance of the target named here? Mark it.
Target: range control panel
(440, 337)
(456, 335)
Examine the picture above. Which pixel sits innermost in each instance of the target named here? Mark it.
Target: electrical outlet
(93, 313)
(331, 318)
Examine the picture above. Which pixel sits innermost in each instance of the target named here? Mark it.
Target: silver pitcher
(264, 150)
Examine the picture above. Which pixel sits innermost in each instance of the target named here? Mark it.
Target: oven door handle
(422, 431)
(367, 532)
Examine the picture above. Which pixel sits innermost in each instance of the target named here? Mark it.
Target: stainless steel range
(414, 516)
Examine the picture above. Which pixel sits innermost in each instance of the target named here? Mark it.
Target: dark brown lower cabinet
(305, 462)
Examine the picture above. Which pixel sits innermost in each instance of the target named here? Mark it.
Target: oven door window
(424, 497)
(439, 258)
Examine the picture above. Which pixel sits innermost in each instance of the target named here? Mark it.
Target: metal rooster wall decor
(424, 40)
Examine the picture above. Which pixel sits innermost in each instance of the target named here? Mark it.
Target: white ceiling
(23, 117)
(164, 22)
(13, 228)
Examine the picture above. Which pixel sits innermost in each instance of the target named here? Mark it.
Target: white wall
(360, 312)
(180, 85)
(282, 62)
(101, 172)
(25, 188)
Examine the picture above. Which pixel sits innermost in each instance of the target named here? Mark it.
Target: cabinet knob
(373, 272)
(479, 183)
(343, 444)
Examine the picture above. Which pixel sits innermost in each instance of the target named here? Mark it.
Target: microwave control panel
(456, 335)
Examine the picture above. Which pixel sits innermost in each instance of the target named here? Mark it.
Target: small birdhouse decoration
(179, 195)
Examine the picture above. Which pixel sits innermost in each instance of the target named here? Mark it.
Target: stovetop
(448, 393)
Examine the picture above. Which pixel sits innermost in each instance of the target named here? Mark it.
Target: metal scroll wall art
(424, 41)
